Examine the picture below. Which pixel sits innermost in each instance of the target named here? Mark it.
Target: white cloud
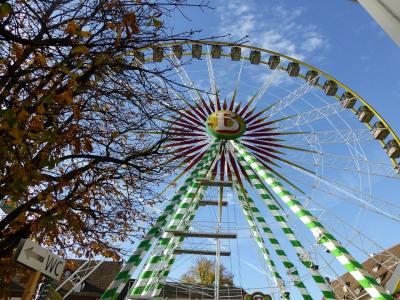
(274, 27)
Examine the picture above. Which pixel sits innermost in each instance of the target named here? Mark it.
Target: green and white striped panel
(157, 286)
(289, 233)
(261, 244)
(154, 263)
(319, 232)
(249, 207)
(123, 276)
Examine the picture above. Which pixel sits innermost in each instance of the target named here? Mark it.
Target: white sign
(40, 259)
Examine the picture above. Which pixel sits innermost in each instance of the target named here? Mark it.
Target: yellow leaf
(16, 135)
(111, 26)
(40, 60)
(23, 114)
(85, 34)
(40, 109)
(80, 50)
(5, 9)
(99, 59)
(72, 28)
(157, 23)
(19, 51)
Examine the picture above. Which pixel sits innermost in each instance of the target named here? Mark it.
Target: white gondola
(392, 149)
(216, 51)
(178, 51)
(157, 54)
(196, 50)
(364, 114)
(330, 88)
(312, 77)
(379, 131)
(293, 69)
(139, 56)
(274, 61)
(348, 100)
(236, 53)
(255, 57)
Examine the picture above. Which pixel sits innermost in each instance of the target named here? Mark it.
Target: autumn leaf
(81, 49)
(40, 109)
(23, 115)
(40, 60)
(5, 9)
(16, 134)
(19, 51)
(72, 28)
(111, 26)
(84, 34)
(157, 23)
(100, 59)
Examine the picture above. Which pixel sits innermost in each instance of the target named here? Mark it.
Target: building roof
(98, 281)
(381, 266)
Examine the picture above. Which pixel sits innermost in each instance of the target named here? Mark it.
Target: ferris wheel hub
(225, 124)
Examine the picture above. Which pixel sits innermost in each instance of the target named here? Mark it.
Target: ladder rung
(215, 235)
(212, 202)
(214, 182)
(201, 252)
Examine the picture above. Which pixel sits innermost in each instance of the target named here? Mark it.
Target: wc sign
(224, 124)
(40, 259)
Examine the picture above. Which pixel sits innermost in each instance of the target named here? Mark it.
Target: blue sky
(340, 38)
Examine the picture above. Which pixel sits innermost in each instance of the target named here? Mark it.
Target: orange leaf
(40, 60)
(72, 28)
(23, 114)
(80, 50)
(40, 109)
(111, 26)
(85, 34)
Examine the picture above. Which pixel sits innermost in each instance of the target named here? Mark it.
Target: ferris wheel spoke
(381, 204)
(313, 115)
(363, 203)
(184, 77)
(211, 73)
(346, 164)
(334, 136)
(266, 85)
(291, 98)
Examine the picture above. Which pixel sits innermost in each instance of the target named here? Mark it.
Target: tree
(75, 107)
(203, 272)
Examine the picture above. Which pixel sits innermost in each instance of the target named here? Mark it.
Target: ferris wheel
(313, 168)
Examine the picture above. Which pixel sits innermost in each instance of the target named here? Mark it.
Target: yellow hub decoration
(226, 125)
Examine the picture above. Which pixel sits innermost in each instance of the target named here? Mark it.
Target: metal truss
(79, 276)
(290, 98)
(332, 136)
(312, 115)
(346, 163)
